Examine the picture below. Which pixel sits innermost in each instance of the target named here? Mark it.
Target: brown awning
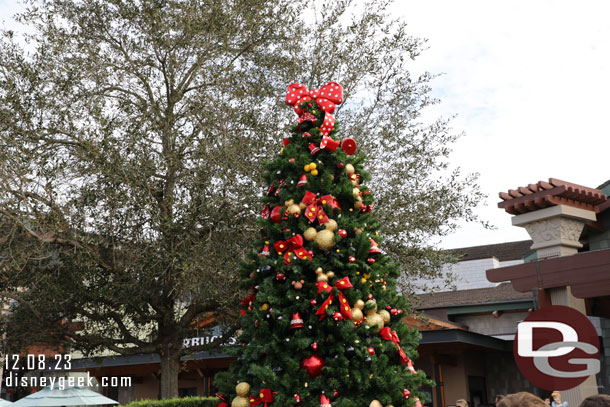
(587, 273)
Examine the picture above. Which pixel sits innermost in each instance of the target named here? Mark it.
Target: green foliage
(177, 402)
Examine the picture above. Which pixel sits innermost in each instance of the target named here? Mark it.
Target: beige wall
(456, 382)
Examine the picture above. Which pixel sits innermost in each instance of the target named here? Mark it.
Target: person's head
(556, 396)
(599, 400)
(462, 403)
(498, 397)
(522, 399)
(547, 401)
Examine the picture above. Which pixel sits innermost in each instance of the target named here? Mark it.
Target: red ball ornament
(370, 260)
(313, 365)
(335, 394)
(280, 276)
(370, 296)
(340, 166)
(394, 311)
(406, 393)
(313, 302)
(337, 316)
(342, 233)
(314, 346)
(351, 259)
(297, 399)
(276, 216)
(349, 146)
(291, 160)
(370, 350)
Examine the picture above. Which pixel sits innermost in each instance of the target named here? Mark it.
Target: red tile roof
(554, 192)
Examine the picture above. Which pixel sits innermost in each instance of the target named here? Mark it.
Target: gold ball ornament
(357, 231)
(240, 402)
(359, 304)
(371, 307)
(325, 239)
(356, 192)
(331, 225)
(375, 403)
(322, 277)
(310, 234)
(314, 172)
(385, 315)
(349, 169)
(294, 209)
(375, 322)
(289, 202)
(357, 315)
(242, 389)
(358, 203)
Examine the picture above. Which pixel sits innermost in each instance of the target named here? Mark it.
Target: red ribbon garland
(327, 97)
(223, 400)
(344, 307)
(265, 396)
(389, 335)
(292, 245)
(314, 208)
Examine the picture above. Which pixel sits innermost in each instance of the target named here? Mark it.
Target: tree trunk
(170, 368)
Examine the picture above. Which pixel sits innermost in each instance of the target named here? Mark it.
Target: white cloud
(529, 83)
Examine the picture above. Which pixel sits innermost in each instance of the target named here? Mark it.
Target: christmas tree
(322, 321)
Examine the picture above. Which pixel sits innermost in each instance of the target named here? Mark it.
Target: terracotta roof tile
(551, 193)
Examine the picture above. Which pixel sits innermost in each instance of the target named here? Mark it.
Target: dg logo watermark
(556, 348)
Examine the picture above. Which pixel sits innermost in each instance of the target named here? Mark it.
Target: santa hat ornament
(374, 248)
(302, 180)
(265, 251)
(313, 149)
(324, 401)
(296, 321)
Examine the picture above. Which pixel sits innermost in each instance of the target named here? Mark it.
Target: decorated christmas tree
(322, 321)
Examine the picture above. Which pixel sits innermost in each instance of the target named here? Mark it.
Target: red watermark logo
(556, 348)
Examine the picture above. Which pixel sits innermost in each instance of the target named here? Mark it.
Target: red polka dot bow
(290, 246)
(327, 97)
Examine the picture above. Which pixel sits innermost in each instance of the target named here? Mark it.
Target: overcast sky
(529, 82)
